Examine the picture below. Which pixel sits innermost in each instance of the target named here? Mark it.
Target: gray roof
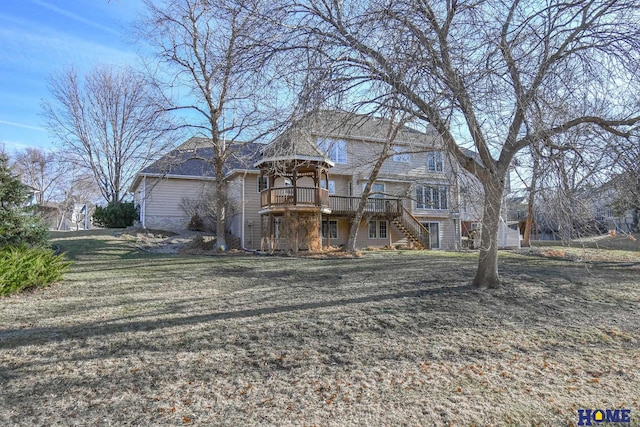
(300, 140)
(294, 143)
(359, 126)
(193, 158)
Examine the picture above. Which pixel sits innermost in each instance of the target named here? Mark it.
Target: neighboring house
(33, 195)
(616, 203)
(301, 190)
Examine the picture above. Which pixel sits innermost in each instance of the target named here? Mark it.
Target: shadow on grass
(621, 242)
(78, 248)
(13, 338)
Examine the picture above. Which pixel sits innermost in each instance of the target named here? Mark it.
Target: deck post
(271, 236)
(295, 186)
(328, 232)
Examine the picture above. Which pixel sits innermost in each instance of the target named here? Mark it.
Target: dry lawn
(389, 339)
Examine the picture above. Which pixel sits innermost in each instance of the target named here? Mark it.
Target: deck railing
(414, 227)
(290, 196)
(375, 206)
(279, 197)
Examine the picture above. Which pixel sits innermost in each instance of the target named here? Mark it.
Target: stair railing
(413, 226)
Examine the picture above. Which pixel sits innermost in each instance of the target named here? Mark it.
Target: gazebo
(294, 175)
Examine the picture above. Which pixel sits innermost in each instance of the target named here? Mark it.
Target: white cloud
(20, 125)
(41, 50)
(75, 17)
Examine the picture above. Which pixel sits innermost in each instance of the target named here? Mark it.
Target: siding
(361, 156)
(164, 198)
(251, 208)
(251, 216)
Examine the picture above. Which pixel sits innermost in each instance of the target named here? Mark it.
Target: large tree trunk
(487, 273)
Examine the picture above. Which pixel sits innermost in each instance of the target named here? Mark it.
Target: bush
(18, 223)
(17, 228)
(22, 267)
(115, 215)
(196, 223)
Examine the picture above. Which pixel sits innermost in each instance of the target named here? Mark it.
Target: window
(377, 190)
(382, 229)
(373, 230)
(435, 161)
(378, 229)
(336, 150)
(332, 186)
(431, 197)
(263, 183)
(332, 227)
(400, 154)
(434, 234)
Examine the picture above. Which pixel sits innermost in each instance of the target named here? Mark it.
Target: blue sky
(41, 37)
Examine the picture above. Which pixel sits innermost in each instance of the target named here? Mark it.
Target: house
(301, 190)
(615, 205)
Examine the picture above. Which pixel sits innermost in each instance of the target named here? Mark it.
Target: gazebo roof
(295, 148)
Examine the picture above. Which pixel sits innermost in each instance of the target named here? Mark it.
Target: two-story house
(302, 189)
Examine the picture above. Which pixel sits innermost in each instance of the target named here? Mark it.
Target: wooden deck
(301, 199)
(311, 199)
(347, 206)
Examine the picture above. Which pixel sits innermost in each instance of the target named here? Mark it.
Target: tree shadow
(13, 338)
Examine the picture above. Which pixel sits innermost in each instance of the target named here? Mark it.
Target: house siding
(163, 201)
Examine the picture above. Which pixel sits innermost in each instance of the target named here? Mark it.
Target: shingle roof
(293, 143)
(359, 126)
(300, 140)
(193, 158)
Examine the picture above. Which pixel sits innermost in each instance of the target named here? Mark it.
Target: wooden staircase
(415, 232)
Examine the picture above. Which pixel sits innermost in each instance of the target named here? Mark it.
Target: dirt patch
(583, 254)
(163, 242)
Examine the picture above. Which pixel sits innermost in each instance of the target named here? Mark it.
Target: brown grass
(392, 338)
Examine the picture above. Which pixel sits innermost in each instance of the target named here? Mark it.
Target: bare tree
(40, 170)
(626, 178)
(211, 53)
(567, 190)
(386, 151)
(477, 71)
(113, 121)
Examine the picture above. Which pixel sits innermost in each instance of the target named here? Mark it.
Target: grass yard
(390, 339)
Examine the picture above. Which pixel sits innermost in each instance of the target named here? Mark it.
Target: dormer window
(334, 149)
(400, 154)
(435, 161)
